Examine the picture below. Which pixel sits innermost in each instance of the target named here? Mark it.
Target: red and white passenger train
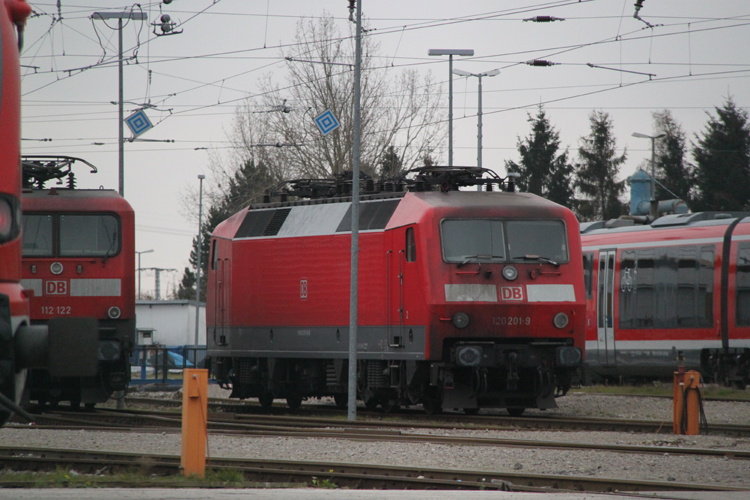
(678, 284)
(79, 262)
(466, 299)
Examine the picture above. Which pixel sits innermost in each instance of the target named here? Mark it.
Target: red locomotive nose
(18, 11)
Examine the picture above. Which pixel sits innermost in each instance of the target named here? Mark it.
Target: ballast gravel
(663, 467)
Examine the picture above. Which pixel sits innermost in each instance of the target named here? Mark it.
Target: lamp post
(479, 76)
(450, 53)
(198, 275)
(139, 268)
(136, 16)
(653, 164)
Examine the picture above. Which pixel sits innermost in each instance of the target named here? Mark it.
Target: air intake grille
(277, 220)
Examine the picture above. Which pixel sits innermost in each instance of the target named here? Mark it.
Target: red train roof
(74, 200)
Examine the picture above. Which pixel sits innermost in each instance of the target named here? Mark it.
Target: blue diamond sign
(326, 122)
(138, 123)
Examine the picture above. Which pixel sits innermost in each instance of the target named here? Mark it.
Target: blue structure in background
(152, 364)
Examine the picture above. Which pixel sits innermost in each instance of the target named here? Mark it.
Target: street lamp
(653, 164)
(479, 76)
(136, 16)
(200, 251)
(450, 53)
(139, 268)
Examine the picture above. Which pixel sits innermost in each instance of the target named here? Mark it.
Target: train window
(668, 287)
(411, 246)
(627, 289)
(88, 235)
(588, 272)
(542, 238)
(600, 306)
(473, 240)
(742, 288)
(214, 256)
(37, 236)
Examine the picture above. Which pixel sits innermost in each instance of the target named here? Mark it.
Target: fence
(151, 364)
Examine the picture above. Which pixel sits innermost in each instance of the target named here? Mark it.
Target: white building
(169, 322)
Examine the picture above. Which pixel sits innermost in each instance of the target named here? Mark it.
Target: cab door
(220, 267)
(605, 308)
(402, 287)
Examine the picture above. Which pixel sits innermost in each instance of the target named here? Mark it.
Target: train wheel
(90, 406)
(371, 404)
(341, 400)
(515, 412)
(431, 406)
(266, 400)
(294, 402)
(471, 411)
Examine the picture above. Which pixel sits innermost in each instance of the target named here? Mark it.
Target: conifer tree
(672, 171)
(722, 158)
(542, 170)
(596, 174)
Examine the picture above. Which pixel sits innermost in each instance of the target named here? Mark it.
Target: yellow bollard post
(679, 386)
(194, 422)
(692, 382)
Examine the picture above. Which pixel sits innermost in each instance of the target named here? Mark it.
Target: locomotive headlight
(461, 320)
(468, 356)
(114, 312)
(561, 320)
(56, 268)
(568, 356)
(510, 273)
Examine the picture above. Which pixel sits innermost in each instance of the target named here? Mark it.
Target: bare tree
(402, 112)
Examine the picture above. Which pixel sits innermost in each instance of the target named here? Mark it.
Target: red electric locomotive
(466, 299)
(79, 261)
(23, 346)
(680, 284)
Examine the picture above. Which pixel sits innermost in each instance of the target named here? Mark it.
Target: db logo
(303, 289)
(56, 288)
(511, 293)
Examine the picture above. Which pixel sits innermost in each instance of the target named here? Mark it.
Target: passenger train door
(605, 310)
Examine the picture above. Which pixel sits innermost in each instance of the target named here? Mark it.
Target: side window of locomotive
(742, 305)
(411, 246)
(480, 239)
(37, 236)
(540, 238)
(213, 254)
(588, 272)
(89, 235)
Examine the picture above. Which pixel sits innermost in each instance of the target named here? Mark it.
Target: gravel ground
(666, 467)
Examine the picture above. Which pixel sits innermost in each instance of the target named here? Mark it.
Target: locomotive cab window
(37, 236)
(491, 240)
(88, 235)
(411, 246)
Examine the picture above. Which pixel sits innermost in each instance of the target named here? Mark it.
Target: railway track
(342, 474)
(301, 427)
(416, 418)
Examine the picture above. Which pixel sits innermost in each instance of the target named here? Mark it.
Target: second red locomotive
(466, 299)
(79, 262)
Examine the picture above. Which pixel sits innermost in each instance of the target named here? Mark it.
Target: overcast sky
(697, 52)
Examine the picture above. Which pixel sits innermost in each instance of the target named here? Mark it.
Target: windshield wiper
(537, 257)
(469, 258)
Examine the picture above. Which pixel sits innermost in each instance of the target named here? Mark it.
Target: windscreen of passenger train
(492, 240)
(88, 235)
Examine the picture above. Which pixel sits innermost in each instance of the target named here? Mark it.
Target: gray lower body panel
(373, 342)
